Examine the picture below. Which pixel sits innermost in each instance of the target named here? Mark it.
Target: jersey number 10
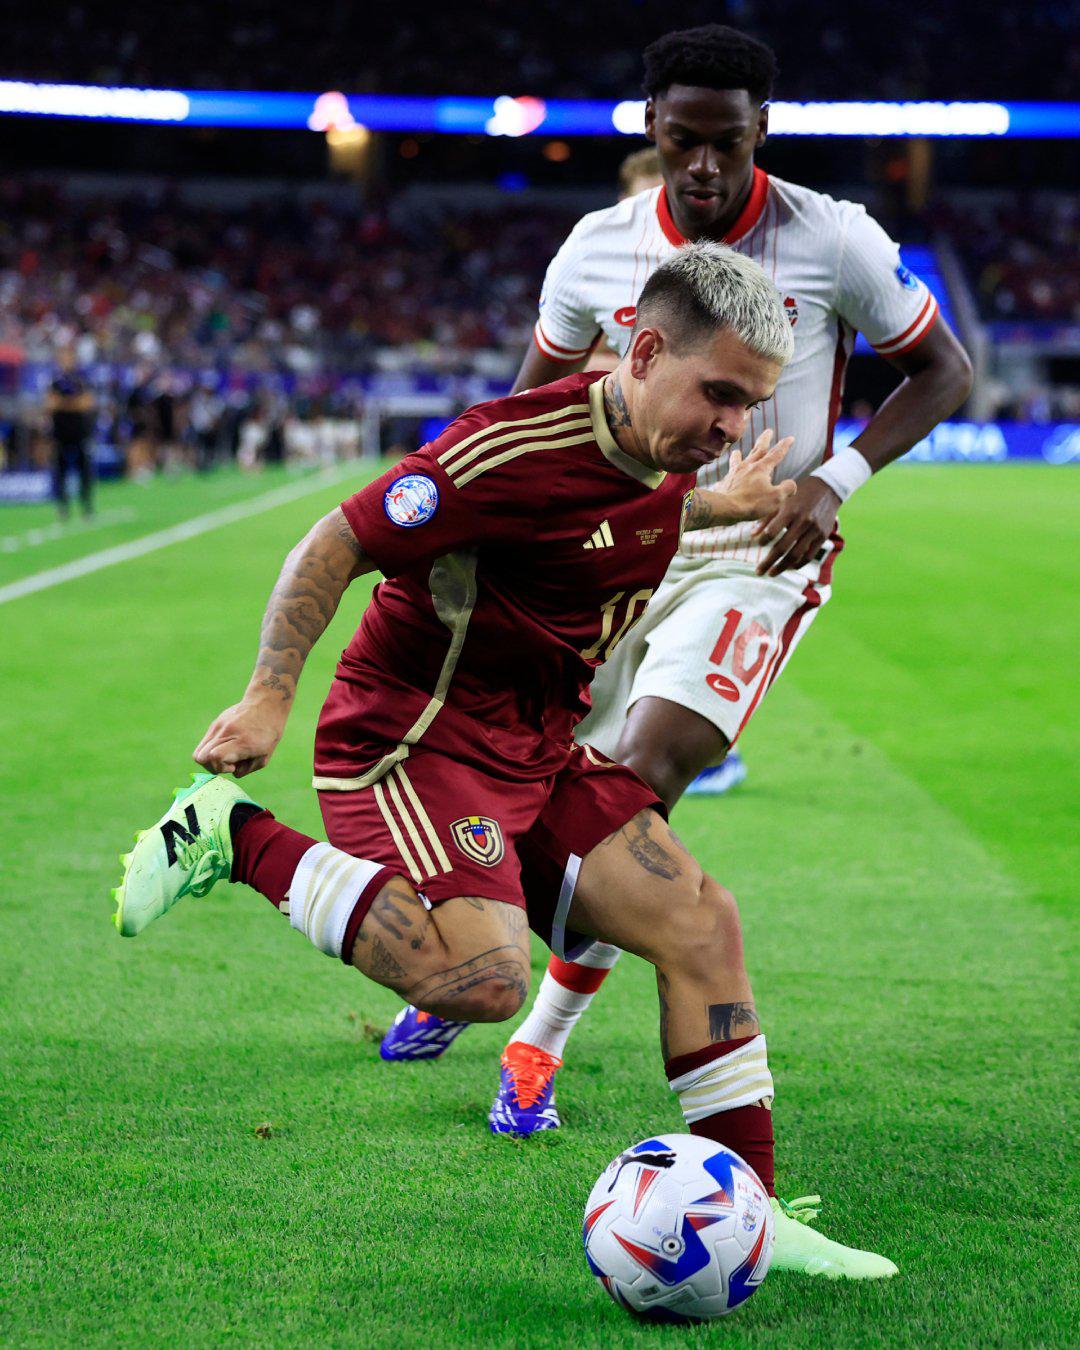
(610, 636)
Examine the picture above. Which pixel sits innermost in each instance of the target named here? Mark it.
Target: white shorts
(714, 638)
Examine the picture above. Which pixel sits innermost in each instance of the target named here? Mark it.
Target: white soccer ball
(679, 1229)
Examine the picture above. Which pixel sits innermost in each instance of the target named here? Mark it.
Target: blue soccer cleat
(419, 1035)
(525, 1103)
(721, 778)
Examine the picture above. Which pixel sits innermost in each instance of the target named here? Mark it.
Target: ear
(645, 348)
(762, 126)
(650, 121)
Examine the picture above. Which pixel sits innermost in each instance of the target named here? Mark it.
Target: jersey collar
(747, 218)
(652, 478)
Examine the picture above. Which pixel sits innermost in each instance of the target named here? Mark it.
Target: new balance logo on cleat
(172, 830)
(601, 538)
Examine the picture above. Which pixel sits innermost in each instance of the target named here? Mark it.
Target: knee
(704, 933)
(482, 990)
(498, 1001)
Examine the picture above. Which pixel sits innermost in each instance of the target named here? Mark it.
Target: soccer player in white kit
(736, 602)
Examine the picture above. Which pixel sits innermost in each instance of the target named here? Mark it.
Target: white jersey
(836, 268)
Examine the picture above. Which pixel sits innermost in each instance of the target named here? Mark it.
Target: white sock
(558, 1006)
(324, 892)
(739, 1078)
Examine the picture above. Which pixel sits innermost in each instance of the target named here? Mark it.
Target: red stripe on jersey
(550, 355)
(579, 979)
(747, 218)
(891, 342)
(840, 360)
(908, 346)
(572, 353)
(811, 601)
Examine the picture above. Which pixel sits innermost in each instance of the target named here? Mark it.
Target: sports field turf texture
(199, 1144)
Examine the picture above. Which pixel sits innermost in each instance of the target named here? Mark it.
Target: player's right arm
(313, 579)
(538, 369)
(565, 329)
(415, 512)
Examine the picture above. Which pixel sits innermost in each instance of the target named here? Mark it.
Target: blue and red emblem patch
(411, 500)
(480, 839)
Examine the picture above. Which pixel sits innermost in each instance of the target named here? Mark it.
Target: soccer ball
(679, 1229)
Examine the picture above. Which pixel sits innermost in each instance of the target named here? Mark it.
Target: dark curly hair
(712, 57)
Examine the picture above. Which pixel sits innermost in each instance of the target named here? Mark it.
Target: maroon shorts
(455, 830)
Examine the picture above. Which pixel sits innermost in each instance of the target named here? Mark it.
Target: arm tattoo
(699, 515)
(618, 414)
(729, 1020)
(305, 599)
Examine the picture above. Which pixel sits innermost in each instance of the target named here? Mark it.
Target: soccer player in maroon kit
(517, 548)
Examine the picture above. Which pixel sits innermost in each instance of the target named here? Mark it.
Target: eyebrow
(737, 129)
(730, 387)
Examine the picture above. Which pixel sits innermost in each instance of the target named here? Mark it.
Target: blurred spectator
(70, 405)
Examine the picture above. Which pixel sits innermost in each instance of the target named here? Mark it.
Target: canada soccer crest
(791, 309)
(480, 839)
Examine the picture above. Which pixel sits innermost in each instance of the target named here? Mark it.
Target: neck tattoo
(618, 414)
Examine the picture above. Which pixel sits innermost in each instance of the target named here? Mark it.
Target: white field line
(174, 534)
(46, 534)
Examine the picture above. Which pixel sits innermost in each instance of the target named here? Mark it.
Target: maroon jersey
(518, 548)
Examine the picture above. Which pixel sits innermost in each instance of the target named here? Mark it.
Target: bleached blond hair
(705, 287)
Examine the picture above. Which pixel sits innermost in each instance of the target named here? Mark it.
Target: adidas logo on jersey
(601, 538)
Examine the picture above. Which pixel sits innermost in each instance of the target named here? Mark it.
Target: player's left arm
(747, 492)
(878, 296)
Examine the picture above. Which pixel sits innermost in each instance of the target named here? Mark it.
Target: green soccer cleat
(803, 1249)
(187, 852)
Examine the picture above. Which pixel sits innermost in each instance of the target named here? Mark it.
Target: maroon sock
(746, 1130)
(266, 853)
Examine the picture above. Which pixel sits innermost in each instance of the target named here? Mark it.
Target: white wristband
(846, 471)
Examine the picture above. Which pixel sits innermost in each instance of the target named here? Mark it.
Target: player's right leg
(467, 958)
(670, 704)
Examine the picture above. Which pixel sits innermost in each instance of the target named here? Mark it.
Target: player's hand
(242, 738)
(799, 528)
(748, 484)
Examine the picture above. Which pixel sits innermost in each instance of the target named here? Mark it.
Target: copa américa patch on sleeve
(907, 279)
(411, 500)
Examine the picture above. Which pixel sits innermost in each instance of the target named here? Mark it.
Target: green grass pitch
(903, 855)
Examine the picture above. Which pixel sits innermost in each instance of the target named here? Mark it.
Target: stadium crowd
(244, 331)
(272, 286)
(588, 51)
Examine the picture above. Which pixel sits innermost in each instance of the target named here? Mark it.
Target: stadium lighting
(506, 115)
(98, 102)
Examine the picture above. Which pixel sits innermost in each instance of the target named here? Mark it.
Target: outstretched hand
(242, 738)
(749, 485)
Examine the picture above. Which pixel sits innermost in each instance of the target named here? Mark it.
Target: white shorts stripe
(425, 820)
(395, 832)
(414, 834)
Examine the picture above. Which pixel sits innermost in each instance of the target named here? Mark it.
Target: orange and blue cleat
(419, 1035)
(525, 1102)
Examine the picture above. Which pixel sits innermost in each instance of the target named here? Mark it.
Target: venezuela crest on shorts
(479, 838)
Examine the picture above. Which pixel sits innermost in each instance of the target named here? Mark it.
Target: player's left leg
(466, 958)
(642, 890)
